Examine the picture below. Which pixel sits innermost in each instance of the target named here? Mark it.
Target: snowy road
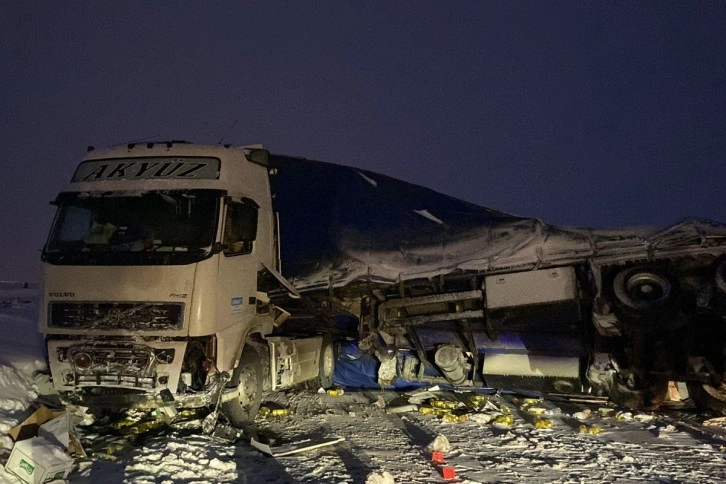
(645, 448)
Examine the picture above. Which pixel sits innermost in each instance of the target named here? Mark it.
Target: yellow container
(542, 423)
(444, 404)
(450, 417)
(592, 430)
(281, 412)
(503, 420)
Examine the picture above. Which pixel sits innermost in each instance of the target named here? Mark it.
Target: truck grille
(113, 364)
(115, 315)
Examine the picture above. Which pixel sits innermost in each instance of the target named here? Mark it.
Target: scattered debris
(333, 392)
(300, 444)
(439, 444)
(583, 415)
(716, 422)
(542, 423)
(447, 472)
(503, 421)
(437, 457)
(268, 411)
(402, 409)
(624, 416)
(46, 445)
(589, 429)
(383, 478)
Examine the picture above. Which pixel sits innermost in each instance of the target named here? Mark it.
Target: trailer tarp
(339, 224)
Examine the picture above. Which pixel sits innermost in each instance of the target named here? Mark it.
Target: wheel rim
(717, 393)
(648, 289)
(328, 360)
(247, 385)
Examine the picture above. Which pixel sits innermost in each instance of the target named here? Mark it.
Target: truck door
(238, 264)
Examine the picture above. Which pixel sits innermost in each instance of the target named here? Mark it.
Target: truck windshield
(153, 227)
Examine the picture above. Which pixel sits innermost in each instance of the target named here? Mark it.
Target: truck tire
(645, 292)
(248, 376)
(647, 398)
(328, 356)
(708, 397)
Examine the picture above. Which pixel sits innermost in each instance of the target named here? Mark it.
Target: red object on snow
(437, 457)
(448, 472)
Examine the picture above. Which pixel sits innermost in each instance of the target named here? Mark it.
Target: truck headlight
(82, 360)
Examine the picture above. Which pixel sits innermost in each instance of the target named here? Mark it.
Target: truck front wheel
(242, 410)
(327, 362)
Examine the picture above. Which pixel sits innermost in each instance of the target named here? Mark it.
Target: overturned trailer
(445, 290)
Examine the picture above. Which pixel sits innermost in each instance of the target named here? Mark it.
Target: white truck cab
(150, 282)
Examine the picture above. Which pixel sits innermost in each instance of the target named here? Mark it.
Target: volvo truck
(196, 275)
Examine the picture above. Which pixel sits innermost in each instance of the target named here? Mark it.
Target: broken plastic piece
(402, 409)
(439, 444)
(166, 395)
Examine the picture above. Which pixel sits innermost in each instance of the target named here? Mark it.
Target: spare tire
(645, 291)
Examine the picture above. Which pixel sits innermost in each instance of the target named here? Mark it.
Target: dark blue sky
(594, 114)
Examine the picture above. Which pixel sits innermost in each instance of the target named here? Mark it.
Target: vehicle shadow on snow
(180, 457)
(354, 459)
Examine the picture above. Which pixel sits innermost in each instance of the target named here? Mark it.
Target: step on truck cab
(152, 287)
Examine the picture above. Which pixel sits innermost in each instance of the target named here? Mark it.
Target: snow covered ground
(379, 446)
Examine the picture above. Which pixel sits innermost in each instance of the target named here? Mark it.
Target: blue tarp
(356, 369)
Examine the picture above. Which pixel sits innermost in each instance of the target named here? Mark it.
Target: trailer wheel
(328, 357)
(643, 292)
(708, 397)
(248, 375)
(649, 397)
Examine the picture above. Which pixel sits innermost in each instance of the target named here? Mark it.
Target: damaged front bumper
(128, 374)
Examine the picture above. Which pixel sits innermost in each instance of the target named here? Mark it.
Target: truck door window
(240, 227)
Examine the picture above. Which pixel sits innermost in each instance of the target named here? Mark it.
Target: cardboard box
(29, 427)
(38, 460)
(43, 443)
